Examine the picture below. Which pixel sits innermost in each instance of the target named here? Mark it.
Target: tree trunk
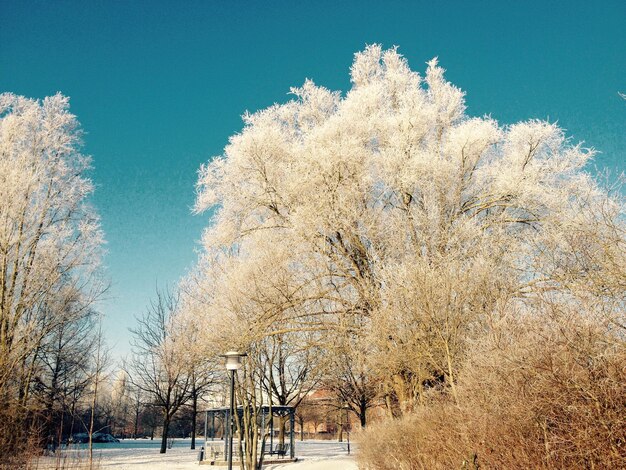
(91, 421)
(166, 428)
(281, 430)
(362, 416)
(301, 420)
(136, 423)
(72, 415)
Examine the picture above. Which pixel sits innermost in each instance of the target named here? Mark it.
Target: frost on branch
(394, 146)
(50, 277)
(404, 235)
(332, 196)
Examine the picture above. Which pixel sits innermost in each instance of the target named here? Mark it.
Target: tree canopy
(419, 246)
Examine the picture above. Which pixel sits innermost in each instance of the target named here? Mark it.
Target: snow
(140, 454)
(320, 455)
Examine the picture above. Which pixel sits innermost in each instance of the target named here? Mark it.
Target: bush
(547, 393)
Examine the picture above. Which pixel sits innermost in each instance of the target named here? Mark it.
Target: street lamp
(233, 360)
(347, 408)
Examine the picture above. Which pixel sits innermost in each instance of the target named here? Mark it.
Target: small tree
(135, 408)
(160, 366)
(100, 364)
(201, 364)
(353, 384)
(294, 367)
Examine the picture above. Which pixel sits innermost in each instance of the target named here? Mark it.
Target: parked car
(78, 438)
(102, 437)
(83, 438)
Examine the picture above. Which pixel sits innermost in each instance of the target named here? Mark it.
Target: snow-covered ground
(141, 454)
(320, 455)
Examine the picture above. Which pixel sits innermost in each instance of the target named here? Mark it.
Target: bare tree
(99, 374)
(253, 425)
(160, 365)
(63, 376)
(136, 407)
(311, 411)
(349, 377)
(293, 363)
(200, 362)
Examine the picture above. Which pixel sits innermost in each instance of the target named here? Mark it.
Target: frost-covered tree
(468, 274)
(50, 246)
(50, 238)
(393, 205)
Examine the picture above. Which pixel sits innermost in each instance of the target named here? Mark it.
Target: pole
(292, 441)
(348, 428)
(206, 425)
(231, 420)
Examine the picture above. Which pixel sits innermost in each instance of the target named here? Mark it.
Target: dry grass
(64, 461)
(547, 394)
(22, 450)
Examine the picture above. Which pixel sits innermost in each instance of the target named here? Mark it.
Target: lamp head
(233, 359)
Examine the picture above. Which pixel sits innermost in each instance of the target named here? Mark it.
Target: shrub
(550, 393)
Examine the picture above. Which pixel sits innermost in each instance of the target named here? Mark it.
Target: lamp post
(347, 408)
(233, 361)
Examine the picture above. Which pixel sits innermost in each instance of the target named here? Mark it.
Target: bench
(213, 452)
(280, 450)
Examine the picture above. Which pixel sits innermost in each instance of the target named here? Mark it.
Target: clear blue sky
(160, 86)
